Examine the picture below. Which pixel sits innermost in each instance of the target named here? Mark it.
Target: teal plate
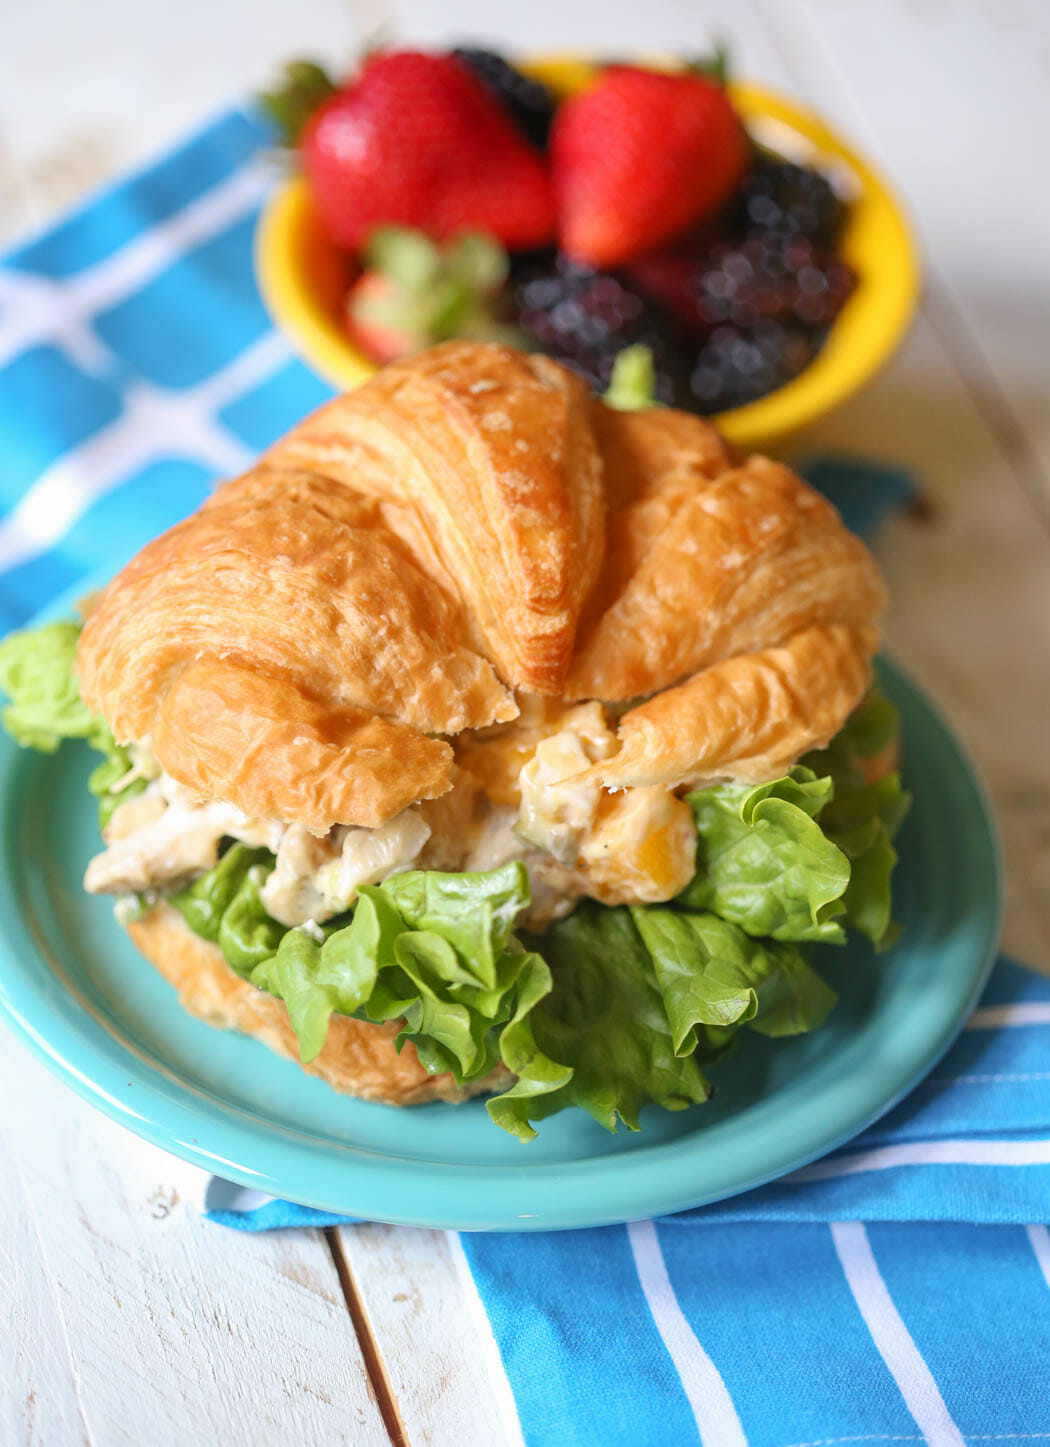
(73, 986)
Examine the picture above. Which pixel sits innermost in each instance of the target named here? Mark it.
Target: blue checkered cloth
(898, 1290)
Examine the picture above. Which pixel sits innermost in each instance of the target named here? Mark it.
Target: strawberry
(414, 293)
(367, 323)
(418, 140)
(638, 159)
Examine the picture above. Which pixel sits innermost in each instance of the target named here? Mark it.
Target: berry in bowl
(579, 210)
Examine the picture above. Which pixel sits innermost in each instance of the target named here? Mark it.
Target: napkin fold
(897, 1290)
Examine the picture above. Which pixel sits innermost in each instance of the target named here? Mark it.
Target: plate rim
(223, 1137)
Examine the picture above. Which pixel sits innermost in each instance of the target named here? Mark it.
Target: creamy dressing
(573, 837)
(315, 879)
(175, 846)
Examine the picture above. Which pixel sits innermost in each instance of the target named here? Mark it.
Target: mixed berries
(585, 317)
(637, 212)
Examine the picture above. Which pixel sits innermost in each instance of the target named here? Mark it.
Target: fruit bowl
(304, 278)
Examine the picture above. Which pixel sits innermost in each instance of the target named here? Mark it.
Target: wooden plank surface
(127, 1319)
(123, 1311)
(437, 1350)
(39, 1402)
(955, 99)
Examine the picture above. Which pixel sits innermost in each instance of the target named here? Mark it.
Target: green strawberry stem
(714, 66)
(437, 291)
(303, 87)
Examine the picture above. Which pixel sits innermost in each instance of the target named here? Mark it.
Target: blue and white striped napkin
(898, 1290)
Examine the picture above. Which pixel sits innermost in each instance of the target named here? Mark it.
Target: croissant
(466, 590)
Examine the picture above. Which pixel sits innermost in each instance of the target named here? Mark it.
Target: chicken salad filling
(573, 837)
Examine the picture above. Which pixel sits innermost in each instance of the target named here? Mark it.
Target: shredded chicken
(164, 837)
(292, 893)
(174, 847)
(315, 879)
(573, 837)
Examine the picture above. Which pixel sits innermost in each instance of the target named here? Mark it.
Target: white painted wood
(954, 98)
(447, 1387)
(127, 1319)
(38, 1393)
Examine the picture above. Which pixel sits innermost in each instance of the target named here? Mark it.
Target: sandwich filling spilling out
(516, 795)
(603, 945)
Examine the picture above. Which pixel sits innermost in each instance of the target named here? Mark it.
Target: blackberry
(775, 277)
(778, 196)
(530, 104)
(737, 365)
(768, 301)
(584, 317)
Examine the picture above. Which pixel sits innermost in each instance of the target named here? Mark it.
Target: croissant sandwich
(485, 737)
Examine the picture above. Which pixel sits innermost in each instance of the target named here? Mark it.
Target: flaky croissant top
(469, 528)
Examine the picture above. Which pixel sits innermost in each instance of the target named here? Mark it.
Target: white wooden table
(123, 1317)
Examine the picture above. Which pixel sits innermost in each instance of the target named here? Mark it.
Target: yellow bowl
(304, 278)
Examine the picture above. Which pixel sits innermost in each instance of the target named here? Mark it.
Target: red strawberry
(638, 159)
(417, 139)
(377, 337)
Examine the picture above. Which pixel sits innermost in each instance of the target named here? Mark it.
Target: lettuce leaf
(872, 727)
(764, 863)
(582, 1023)
(700, 964)
(792, 997)
(477, 920)
(203, 903)
(605, 1018)
(247, 934)
(798, 858)
(712, 974)
(632, 386)
(109, 782)
(37, 674)
(432, 949)
(862, 819)
(435, 951)
(443, 962)
(314, 980)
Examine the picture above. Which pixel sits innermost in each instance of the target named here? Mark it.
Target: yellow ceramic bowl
(304, 278)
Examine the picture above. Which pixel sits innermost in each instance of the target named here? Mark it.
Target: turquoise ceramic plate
(73, 986)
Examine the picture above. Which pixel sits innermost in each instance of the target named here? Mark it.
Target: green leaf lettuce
(711, 974)
(37, 673)
(862, 818)
(764, 862)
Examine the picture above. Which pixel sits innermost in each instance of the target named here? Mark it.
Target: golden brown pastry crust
(495, 451)
(358, 1058)
(700, 569)
(747, 718)
(470, 522)
(281, 754)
